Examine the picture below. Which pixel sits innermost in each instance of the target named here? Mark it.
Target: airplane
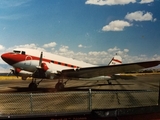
(44, 65)
(17, 71)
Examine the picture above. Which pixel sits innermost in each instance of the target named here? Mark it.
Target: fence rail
(37, 103)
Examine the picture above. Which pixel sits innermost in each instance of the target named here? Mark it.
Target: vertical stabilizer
(116, 60)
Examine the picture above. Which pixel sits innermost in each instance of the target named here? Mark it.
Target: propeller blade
(40, 60)
(9, 73)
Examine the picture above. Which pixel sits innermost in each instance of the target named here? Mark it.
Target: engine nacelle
(41, 71)
(18, 72)
(44, 66)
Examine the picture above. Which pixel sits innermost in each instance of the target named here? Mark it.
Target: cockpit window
(16, 51)
(23, 52)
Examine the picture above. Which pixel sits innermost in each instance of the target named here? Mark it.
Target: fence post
(31, 104)
(159, 95)
(90, 100)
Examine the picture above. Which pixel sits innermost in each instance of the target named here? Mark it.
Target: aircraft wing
(106, 70)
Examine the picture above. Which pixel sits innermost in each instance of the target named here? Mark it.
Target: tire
(32, 86)
(59, 86)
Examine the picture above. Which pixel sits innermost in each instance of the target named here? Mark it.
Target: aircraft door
(28, 60)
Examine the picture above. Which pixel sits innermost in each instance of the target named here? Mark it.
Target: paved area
(142, 82)
(17, 99)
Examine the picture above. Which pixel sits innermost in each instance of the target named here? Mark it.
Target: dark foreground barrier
(79, 105)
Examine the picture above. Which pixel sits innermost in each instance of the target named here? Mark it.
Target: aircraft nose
(4, 56)
(7, 58)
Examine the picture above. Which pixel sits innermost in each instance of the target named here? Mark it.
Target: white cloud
(32, 46)
(117, 25)
(146, 1)
(116, 2)
(155, 19)
(126, 50)
(80, 45)
(2, 47)
(139, 16)
(113, 49)
(109, 2)
(93, 57)
(95, 53)
(63, 48)
(51, 44)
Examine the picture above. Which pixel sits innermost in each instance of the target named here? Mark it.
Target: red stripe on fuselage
(12, 58)
(117, 60)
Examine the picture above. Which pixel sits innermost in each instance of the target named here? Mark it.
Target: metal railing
(37, 103)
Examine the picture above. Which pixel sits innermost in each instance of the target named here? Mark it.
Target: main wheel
(59, 86)
(32, 86)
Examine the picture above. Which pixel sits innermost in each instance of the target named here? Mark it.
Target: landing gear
(60, 85)
(33, 85)
(109, 83)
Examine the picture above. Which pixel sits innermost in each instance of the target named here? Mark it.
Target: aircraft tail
(116, 60)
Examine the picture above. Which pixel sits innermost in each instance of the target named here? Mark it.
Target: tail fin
(115, 60)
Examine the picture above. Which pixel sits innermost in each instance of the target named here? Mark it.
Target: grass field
(9, 77)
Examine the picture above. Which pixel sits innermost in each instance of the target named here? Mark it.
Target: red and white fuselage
(26, 61)
(23, 59)
(43, 65)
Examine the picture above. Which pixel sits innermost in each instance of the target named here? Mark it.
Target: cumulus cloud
(82, 46)
(2, 47)
(95, 53)
(32, 46)
(126, 50)
(51, 44)
(92, 57)
(113, 49)
(139, 16)
(63, 48)
(109, 2)
(116, 50)
(117, 25)
(146, 1)
(116, 2)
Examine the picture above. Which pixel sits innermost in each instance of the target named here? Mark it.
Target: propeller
(10, 73)
(42, 65)
(40, 60)
(14, 72)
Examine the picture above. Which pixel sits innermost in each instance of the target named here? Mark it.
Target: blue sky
(88, 30)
